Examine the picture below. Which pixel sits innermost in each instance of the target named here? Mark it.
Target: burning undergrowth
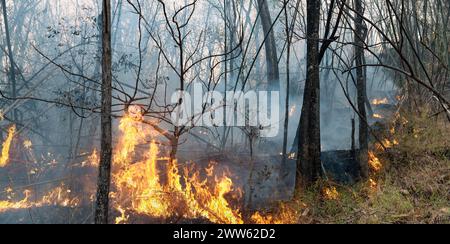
(147, 185)
(150, 187)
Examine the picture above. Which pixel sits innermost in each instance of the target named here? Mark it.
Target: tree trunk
(289, 36)
(288, 87)
(102, 206)
(273, 73)
(12, 70)
(309, 167)
(361, 89)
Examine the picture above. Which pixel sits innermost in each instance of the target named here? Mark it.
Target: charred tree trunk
(174, 142)
(12, 70)
(361, 83)
(273, 73)
(102, 206)
(309, 167)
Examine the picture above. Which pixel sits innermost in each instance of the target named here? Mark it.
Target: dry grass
(412, 188)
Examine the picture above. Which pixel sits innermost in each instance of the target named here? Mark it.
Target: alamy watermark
(259, 109)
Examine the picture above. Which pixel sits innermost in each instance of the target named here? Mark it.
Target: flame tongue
(144, 188)
(4, 158)
(60, 196)
(374, 162)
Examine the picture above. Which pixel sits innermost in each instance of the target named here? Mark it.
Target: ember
(378, 116)
(380, 101)
(331, 193)
(373, 184)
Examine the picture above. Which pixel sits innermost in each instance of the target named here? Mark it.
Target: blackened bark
(273, 73)
(361, 83)
(102, 205)
(309, 167)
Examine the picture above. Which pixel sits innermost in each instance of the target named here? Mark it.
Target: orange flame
(331, 193)
(390, 144)
(28, 144)
(378, 116)
(4, 158)
(60, 196)
(285, 215)
(375, 162)
(145, 188)
(373, 184)
(380, 101)
(93, 159)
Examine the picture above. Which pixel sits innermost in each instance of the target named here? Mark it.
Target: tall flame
(4, 158)
(155, 187)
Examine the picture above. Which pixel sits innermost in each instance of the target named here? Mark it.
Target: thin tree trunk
(12, 72)
(225, 20)
(119, 17)
(362, 90)
(309, 167)
(102, 206)
(288, 87)
(289, 36)
(273, 73)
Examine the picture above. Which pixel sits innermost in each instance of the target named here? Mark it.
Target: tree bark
(361, 83)
(309, 167)
(273, 73)
(102, 205)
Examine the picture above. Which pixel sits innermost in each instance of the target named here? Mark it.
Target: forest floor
(413, 186)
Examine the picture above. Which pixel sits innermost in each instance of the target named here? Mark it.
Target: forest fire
(155, 186)
(60, 196)
(374, 162)
(224, 112)
(4, 158)
(147, 183)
